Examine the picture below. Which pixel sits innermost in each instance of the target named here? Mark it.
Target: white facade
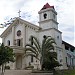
(68, 55)
(10, 34)
(18, 33)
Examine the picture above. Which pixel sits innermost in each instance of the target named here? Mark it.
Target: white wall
(19, 27)
(45, 32)
(8, 37)
(50, 20)
(30, 31)
(48, 24)
(58, 38)
(49, 13)
(64, 57)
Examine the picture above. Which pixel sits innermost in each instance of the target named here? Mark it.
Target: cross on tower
(19, 13)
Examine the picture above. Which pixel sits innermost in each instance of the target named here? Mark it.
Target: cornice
(17, 47)
(49, 29)
(48, 21)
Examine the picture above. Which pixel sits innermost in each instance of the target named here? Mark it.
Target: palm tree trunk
(2, 69)
(41, 62)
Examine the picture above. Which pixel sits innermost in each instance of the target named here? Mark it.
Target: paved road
(23, 72)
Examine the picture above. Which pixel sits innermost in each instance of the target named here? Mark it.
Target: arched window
(8, 42)
(18, 32)
(45, 16)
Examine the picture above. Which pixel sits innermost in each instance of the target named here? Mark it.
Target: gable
(16, 22)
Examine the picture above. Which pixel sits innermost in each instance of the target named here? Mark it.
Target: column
(13, 35)
(23, 62)
(24, 35)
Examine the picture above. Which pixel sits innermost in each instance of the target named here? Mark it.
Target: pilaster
(13, 35)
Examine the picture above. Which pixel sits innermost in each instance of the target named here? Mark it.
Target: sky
(29, 12)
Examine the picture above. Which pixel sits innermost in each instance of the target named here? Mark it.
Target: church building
(18, 33)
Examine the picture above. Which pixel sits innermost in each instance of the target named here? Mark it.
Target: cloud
(29, 11)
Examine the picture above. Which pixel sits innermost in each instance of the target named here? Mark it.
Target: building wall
(58, 38)
(19, 27)
(45, 32)
(48, 24)
(49, 12)
(30, 31)
(69, 57)
(64, 57)
(8, 37)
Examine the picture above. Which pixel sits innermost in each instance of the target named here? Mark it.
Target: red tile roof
(47, 6)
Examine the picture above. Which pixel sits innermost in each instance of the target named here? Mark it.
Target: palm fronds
(44, 50)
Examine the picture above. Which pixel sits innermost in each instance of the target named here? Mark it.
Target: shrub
(7, 67)
(29, 67)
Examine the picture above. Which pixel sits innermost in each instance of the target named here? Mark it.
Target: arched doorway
(19, 62)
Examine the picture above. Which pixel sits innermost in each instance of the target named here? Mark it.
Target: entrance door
(19, 62)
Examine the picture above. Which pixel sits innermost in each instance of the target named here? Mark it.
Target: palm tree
(38, 49)
(34, 47)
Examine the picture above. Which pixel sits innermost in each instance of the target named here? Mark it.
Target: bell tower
(48, 17)
(48, 23)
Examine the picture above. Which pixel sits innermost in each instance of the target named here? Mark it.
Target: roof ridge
(47, 6)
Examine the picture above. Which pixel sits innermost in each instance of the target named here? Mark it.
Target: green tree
(41, 49)
(6, 55)
(50, 61)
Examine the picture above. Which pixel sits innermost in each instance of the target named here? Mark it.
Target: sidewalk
(23, 72)
(17, 72)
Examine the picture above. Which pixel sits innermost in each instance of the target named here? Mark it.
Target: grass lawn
(65, 72)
